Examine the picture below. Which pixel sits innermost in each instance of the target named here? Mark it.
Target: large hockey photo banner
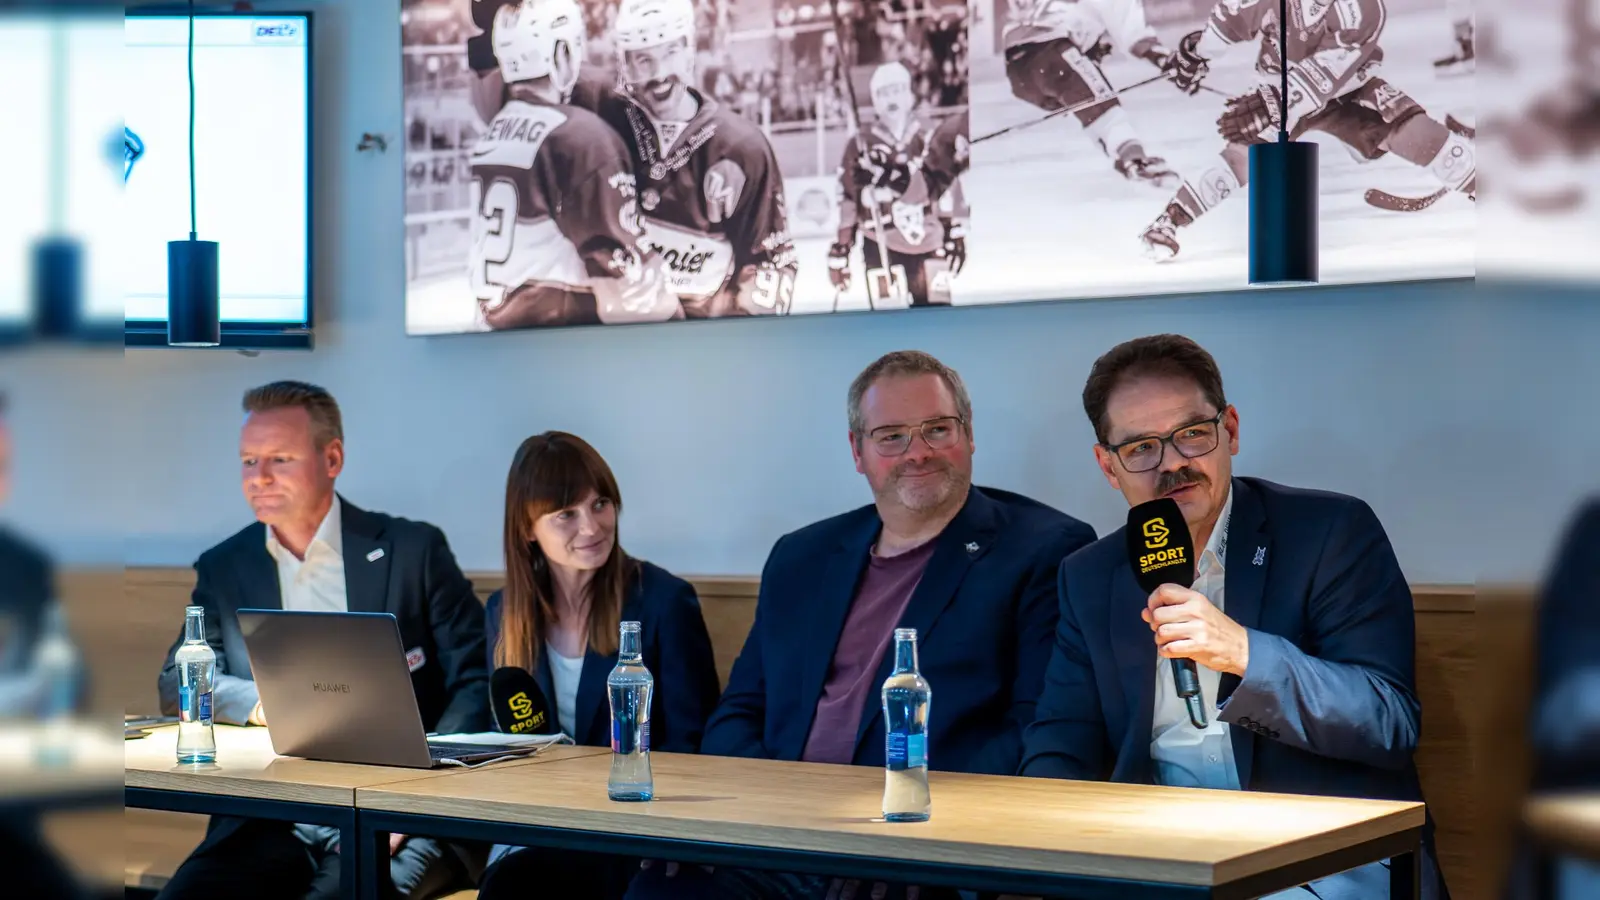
(583, 162)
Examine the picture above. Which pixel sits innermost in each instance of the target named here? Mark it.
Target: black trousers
(524, 872)
(33, 869)
(258, 859)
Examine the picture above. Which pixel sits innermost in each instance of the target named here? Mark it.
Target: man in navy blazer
(310, 549)
(1565, 715)
(27, 595)
(391, 565)
(1566, 721)
(1300, 621)
(970, 568)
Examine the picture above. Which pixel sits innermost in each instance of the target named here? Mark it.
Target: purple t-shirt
(880, 600)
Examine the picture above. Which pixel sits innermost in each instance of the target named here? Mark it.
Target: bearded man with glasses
(1299, 621)
(972, 569)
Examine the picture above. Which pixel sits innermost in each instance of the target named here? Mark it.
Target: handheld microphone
(1161, 551)
(519, 705)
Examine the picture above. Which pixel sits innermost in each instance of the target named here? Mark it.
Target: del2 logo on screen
(276, 30)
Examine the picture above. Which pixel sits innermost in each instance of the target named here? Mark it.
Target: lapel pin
(377, 554)
(1260, 558)
(972, 547)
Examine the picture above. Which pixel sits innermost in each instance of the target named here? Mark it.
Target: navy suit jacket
(677, 651)
(984, 611)
(415, 578)
(27, 586)
(1329, 703)
(1567, 703)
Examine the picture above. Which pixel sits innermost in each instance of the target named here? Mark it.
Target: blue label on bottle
(622, 742)
(906, 751)
(193, 706)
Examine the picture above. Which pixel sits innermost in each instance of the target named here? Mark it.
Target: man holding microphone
(1299, 622)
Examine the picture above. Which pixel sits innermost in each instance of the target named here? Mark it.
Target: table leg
(1405, 876)
(1544, 874)
(372, 861)
(350, 872)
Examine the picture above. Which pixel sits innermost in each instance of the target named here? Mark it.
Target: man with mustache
(970, 568)
(1299, 620)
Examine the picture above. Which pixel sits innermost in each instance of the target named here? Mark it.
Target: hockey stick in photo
(1069, 109)
(1395, 203)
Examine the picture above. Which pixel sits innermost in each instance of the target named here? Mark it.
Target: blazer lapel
(367, 557)
(547, 684)
(962, 542)
(258, 578)
(835, 591)
(1248, 556)
(1135, 649)
(592, 700)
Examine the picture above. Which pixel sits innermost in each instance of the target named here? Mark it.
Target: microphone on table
(519, 705)
(1161, 551)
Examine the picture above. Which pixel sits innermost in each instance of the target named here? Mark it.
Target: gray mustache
(1177, 478)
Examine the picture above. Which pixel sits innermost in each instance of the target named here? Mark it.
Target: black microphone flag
(1161, 551)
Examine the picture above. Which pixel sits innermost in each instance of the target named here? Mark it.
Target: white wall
(1458, 412)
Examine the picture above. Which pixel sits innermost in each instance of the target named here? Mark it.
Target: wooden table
(1569, 823)
(250, 780)
(1021, 835)
(45, 768)
(1563, 825)
(54, 775)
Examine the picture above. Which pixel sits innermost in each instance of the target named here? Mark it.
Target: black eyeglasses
(941, 433)
(1193, 440)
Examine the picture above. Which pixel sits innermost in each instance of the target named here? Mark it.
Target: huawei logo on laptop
(329, 687)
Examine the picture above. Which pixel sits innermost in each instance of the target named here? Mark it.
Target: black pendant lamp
(1283, 193)
(56, 288)
(194, 317)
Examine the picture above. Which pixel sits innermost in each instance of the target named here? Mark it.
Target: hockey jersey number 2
(509, 253)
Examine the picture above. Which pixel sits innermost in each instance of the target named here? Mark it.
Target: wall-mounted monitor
(252, 154)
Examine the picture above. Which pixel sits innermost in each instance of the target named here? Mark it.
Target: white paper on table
(501, 739)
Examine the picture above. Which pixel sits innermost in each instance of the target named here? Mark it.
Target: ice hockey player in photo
(555, 225)
(1333, 51)
(709, 186)
(895, 180)
(1053, 53)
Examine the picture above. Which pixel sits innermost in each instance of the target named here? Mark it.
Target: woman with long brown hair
(569, 585)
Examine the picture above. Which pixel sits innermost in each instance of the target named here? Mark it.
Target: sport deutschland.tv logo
(521, 706)
(1156, 533)
(522, 712)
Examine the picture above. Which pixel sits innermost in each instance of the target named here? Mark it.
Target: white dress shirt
(317, 582)
(1185, 756)
(565, 673)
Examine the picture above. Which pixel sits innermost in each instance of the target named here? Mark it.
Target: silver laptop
(335, 687)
